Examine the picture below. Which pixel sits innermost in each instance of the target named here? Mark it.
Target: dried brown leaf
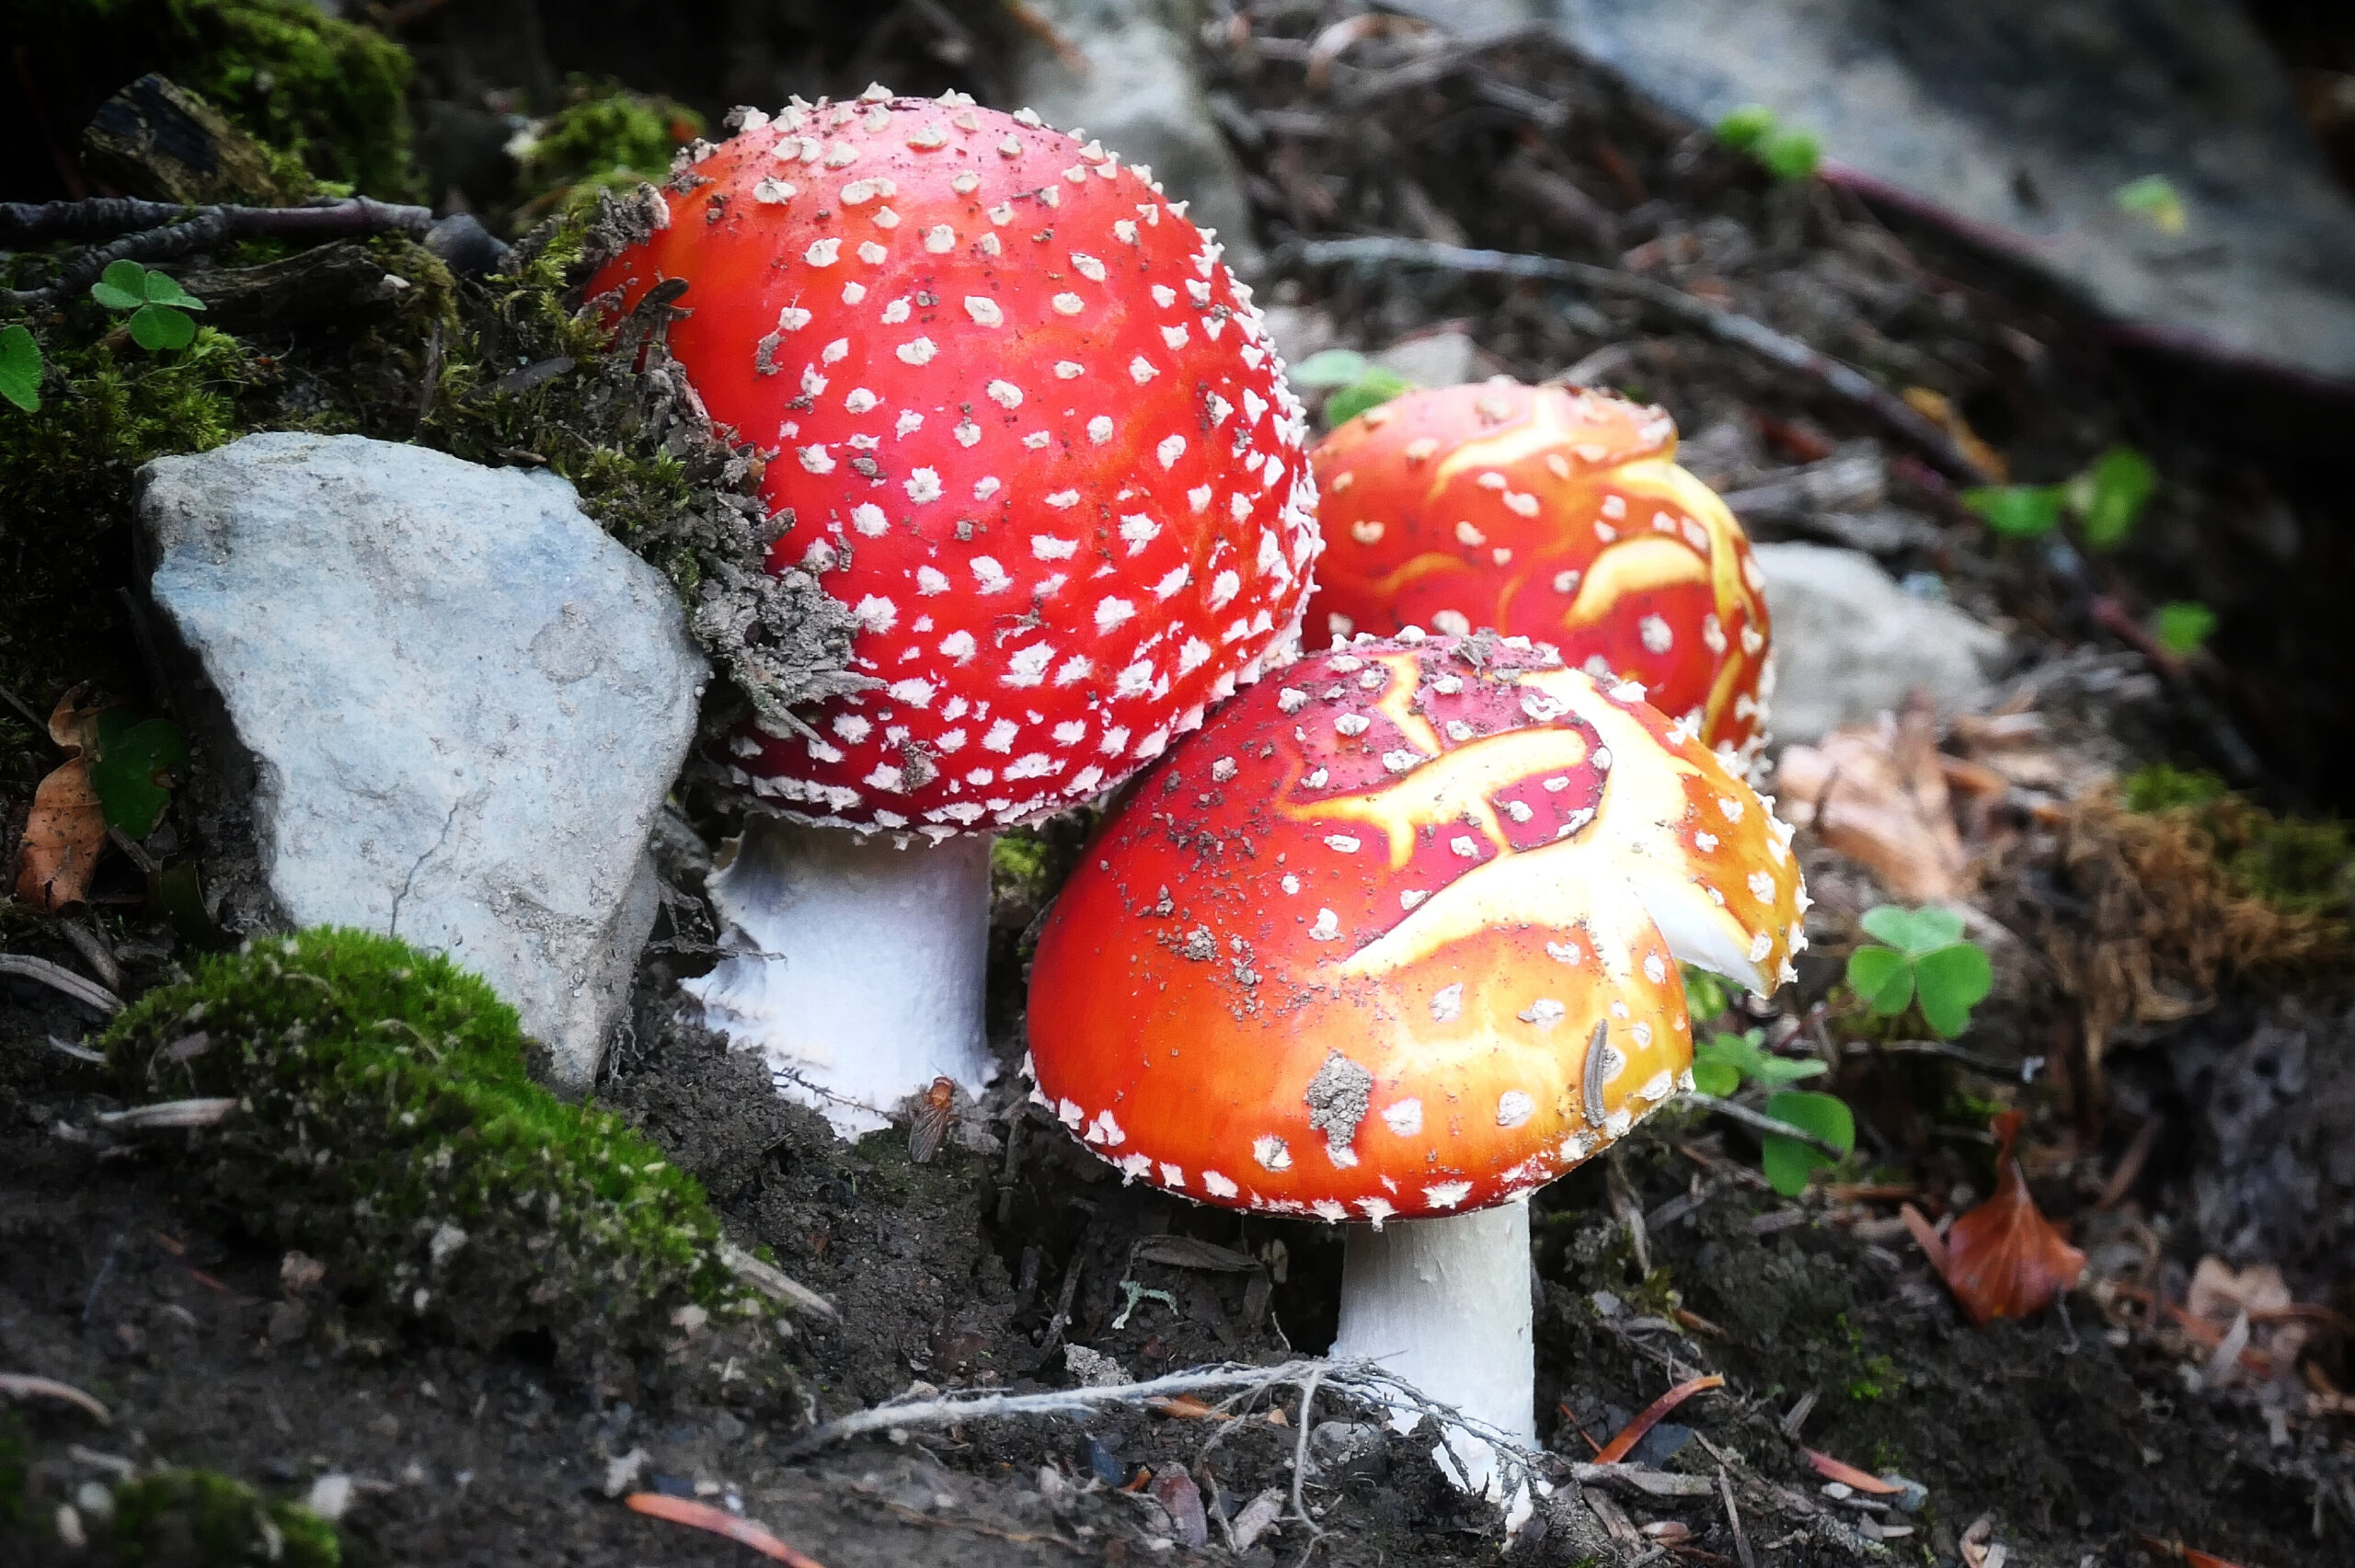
(2004, 1259)
(1877, 792)
(67, 827)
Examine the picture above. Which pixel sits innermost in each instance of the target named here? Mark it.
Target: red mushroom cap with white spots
(1555, 514)
(1026, 426)
(1399, 934)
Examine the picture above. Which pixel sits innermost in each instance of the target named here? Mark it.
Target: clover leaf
(131, 767)
(158, 305)
(20, 369)
(1923, 957)
(1787, 1162)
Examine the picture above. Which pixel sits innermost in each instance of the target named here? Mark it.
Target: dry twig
(58, 978)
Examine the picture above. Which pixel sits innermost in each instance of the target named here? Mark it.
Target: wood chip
(58, 978)
(773, 1282)
(23, 1385)
(169, 1113)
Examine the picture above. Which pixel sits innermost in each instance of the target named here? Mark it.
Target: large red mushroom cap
(1399, 935)
(1555, 514)
(1026, 425)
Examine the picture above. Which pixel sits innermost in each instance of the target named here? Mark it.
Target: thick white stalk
(855, 965)
(1445, 1304)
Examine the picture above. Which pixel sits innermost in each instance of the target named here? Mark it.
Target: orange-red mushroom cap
(1555, 514)
(1399, 934)
(1024, 423)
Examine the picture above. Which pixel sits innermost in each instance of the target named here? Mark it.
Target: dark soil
(978, 1269)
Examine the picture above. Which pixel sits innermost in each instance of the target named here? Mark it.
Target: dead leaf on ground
(2004, 1259)
(719, 1521)
(1878, 794)
(67, 827)
(2218, 1294)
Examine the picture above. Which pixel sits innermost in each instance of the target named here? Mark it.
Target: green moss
(329, 96)
(2297, 865)
(606, 135)
(227, 1521)
(386, 1123)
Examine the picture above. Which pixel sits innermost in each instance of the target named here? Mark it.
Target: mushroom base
(1445, 1304)
(854, 966)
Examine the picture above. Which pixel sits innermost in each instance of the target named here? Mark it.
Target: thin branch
(1842, 380)
(1759, 1121)
(194, 229)
(1985, 1066)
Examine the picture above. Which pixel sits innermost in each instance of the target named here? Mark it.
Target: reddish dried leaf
(67, 825)
(2202, 1560)
(1848, 1474)
(1183, 1405)
(2004, 1258)
(719, 1521)
(1632, 1433)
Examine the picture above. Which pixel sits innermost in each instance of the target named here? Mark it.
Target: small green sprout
(2152, 198)
(2184, 626)
(1706, 995)
(20, 367)
(158, 305)
(2106, 500)
(1785, 151)
(1721, 1065)
(1743, 130)
(1356, 382)
(1926, 959)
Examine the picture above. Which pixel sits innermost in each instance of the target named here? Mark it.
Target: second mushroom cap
(1399, 934)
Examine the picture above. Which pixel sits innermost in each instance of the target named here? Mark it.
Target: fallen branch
(58, 978)
(1759, 1121)
(23, 1385)
(1364, 1381)
(173, 231)
(1842, 380)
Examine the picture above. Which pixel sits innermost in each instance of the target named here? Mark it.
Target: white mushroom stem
(855, 965)
(1445, 1304)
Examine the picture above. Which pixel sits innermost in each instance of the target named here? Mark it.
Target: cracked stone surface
(460, 705)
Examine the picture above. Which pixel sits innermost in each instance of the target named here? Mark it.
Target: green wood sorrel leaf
(1953, 981)
(20, 369)
(1788, 1162)
(2184, 626)
(162, 289)
(122, 286)
(1328, 368)
(1746, 127)
(155, 327)
(2109, 497)
(1883, 976)
(2019, 511)
(1789, 153)
(1713, 1075)
(1914, 932)
(134, 761)
(1371, 390)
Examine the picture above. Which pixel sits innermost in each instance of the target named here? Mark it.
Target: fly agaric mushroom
(1555, 514)
(1396, 942)
(1032, 431)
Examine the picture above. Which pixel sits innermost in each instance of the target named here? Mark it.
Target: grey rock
(1140, 95)
(2020, 119)
(460, 703)
(1849, 643)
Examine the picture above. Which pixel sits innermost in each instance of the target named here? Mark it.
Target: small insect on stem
(935, 1109)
